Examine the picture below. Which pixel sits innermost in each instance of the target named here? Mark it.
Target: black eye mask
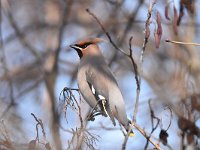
(83, 46)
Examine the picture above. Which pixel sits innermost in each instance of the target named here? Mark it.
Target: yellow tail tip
(131, 134)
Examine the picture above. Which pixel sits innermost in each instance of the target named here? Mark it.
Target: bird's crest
(90, 41)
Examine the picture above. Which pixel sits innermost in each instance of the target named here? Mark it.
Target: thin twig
(122, 51)
(182, 43)
(39, 122)
(134, 63)
(137, 77)
(146, 38)
(5, 67)
(129, 23)
(137, 83)
(145, 135)
(116, 47)
(106, 32)
(22, 37)
(125, 141)
(7, 140)
(152, 123)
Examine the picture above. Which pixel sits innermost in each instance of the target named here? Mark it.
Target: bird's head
(83, 47)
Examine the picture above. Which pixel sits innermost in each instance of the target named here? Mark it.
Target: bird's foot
(91, 116)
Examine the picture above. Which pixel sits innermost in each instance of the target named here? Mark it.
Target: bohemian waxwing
(97, 84)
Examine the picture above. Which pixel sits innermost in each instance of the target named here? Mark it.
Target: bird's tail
(130, 131)
(131, 134)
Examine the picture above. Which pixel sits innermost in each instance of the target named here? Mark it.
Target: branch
(39, 122)
(106, 32)
(66, 12)
(21, 36)
(130, 21)
(146, 38)
(181, 43)
(122, 51)
(152, 123)
(5, 67)
(133, 63)
(146, 136)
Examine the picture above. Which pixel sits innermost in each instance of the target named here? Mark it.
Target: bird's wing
(85, 88)
(99, 78)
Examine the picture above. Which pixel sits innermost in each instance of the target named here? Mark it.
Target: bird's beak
(75, 47)
(72, 46)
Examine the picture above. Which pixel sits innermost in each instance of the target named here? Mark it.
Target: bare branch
(106, 32)
(146, 136)
(181, 43)
(39, 122)
(153, 117)
(147, 34)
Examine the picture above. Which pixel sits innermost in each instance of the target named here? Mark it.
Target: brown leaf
(190, 138)
(188, 126)
(167, 12)
(181, 14)
(195, 103)
(32, 145)
(189, 5)
(158, 18)
(175, 21)
(163, 136)
(159, 29)
(156, 38)
(48, 146)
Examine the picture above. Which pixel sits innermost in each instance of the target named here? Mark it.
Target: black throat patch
(80, 54)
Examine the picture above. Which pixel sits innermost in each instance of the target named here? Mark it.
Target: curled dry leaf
(158, 32)
(190, 138)
(167, 12)
(189, 5)
(181, 14)
(195, 103)
(48, 146)
(156, 38)
(163, 136)
(159, 29)
(32, 145)
(188, 126)
(175, 21)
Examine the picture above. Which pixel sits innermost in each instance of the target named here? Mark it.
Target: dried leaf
(190, 138)
(167, 12)
(189, 5)
(156, 38)
(159, 29)
(32, 145)
(175, 21)
(188, 126)
(158, 32)
(48, 146)
(195, 103)
(181, 14)
(163, 136)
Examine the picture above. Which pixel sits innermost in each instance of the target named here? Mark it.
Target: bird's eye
(84, 46)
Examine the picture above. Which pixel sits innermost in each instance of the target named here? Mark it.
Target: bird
(98, 85)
